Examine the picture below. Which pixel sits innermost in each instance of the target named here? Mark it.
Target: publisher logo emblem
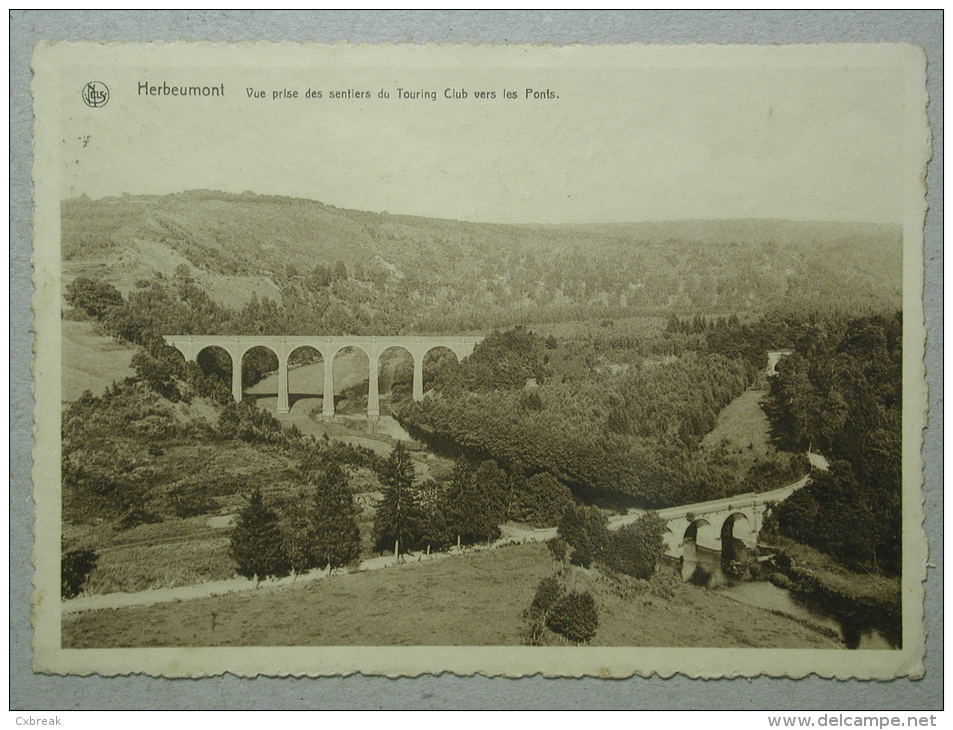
(95, 94)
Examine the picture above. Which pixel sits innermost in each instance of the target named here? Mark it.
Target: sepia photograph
(513, 360)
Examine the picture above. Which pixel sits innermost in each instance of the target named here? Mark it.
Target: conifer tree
(474, 503)
(257, 545)
(398, 519)
(297, 523)
(337, 539)
(435, 530)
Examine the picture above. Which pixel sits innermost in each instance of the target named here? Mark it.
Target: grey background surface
(30, 691)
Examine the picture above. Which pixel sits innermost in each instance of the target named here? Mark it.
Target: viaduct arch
(282, 346)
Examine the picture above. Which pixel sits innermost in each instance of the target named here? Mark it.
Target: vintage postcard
(501, 360)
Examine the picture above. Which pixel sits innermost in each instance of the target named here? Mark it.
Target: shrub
(586, 530)
(156, 375)
(530, 400)
(246, 422)
(535, 618)
(736, 569)
(575, 616)
(548, 592)
(637, 548)
(75, 567)
(558, 548)
(136, 516)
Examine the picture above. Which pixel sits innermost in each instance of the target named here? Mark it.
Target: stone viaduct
(284, 346)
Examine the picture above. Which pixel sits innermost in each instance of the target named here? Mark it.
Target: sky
(618, 144)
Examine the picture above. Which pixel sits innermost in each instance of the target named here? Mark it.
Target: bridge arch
(217, 362)
(351, 381)
(433, 359)
(395, 372)
(305, 365)
(698, 536)
(259, 366)
(738, 525)
(738, 536)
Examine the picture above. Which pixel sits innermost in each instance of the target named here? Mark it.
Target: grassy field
(743, 430)
(474, 599)
(743, 425)
(166, 565)
(90, 360)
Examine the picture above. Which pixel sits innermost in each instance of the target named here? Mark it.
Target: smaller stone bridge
(712, 527)
(284, 346)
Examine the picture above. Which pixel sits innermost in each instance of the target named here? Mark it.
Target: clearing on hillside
(91, 361)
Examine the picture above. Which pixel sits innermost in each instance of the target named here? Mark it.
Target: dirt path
(238, 585)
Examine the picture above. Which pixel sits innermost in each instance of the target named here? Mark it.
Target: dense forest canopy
(633, 434)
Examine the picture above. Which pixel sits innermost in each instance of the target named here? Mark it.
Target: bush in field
(548, 593)
(637, 548)
(75, 567)
(558, 549)
(257, 546)
(574, 616)
(530, 400)
(540, 501)
(137, 515)
(585, 530)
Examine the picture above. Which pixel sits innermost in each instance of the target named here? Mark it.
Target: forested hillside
(625, 435)
(338, 270)
(841, 393)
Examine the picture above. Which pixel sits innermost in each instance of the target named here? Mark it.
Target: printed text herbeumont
(147, 89)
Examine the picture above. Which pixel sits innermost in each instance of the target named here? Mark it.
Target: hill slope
(474, 599)
(445, 274)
